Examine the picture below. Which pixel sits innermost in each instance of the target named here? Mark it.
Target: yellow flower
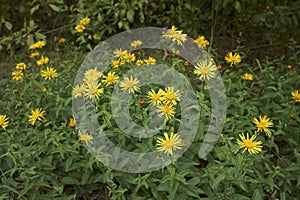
(233, 59)
(119, 53)
(72, 122)
(155, 98)
(92, 75)
(21, 66)
(96, 36)
(85, 137)
(205, 69)
(296, 96)
(49, 73)
(169, 144)
(117, 63)
(289, 66)
(17, 75)
(62, 40)
(167, 110)
(80, 28)
(130, 84)
(34, 54)
(85, 21)
(248, 77)
(42, 61)
(4, 121)
(252, 146)
(36, 114)
(263, 124)
(186, 63)
(129, 57)
(136, 43)
(93, 91)
(38, 44)
(150, 60)
(175, 35)
(201, 41)
(169, 96)
(44, 89)
(110, 79)
(78, 90)
(139, 63)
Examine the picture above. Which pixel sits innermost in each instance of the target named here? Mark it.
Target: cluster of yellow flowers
(81, 26)
(175, 35)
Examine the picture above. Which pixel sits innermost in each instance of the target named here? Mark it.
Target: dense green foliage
(46, 161)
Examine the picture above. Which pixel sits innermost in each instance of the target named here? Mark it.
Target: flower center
(249, 144)
(205, 70)
(166, 109)
(169, 143)
(170, 96)
(155, 97)
(262, 125)
(297, 97)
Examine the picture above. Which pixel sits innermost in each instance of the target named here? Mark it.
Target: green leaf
(130, 15)
(54, 7)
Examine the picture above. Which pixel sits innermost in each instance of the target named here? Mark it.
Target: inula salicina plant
(61, 112)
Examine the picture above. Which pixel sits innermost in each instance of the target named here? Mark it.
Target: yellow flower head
(296, 96)
(49, 73)
(233, 59)
(62, 40)
(155, 98)
(150, 60)
(44, 89)
(34, 54)
(175, 35)
(72, 122)
(168, 144)
(42, 61)
(92, 75)
(4, 121)
(166, 109)
(93, 91)
(139, 63)
(136, 43)
(78, 90)
(36, 114)
(250, 145)
(263, 124)
(201, 41)
(169, 96)
(85, 138)
(80, 28)
(117, 63)
(96, 36)
(21, 66)
(110, 79)
(119, 53)
(129, 57)
(205, 69)
(85, 21)
(248, 77)
(130, 84)
(17, 75)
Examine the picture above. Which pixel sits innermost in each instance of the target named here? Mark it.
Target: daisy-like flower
(21, 66)
(34, 54)
(130, 84)
(119, 53)
(110, 79)
(80, 28)
(38, 44)
(42, 61)
(175, 35)
(169, 96)
(36, 114)
(117, 63)
(129, 57)
(17, 75)
(249, 145)
(78, 90)
(263, 124)
(139, 63)
(155, 98)
(166, 109)
(201, 41)
(92, 75)
(85, 21)
(247, 77)
(296, 96)
(136, 43)
(4, 121)
(49, 73)
(233, 59)
(85, 138)
(93, 91)
(205, 69)
(72, 122)
(150, 60)
(62, 40)
(168, 144)
(96, 36)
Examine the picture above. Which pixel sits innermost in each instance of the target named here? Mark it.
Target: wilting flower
(21, 66)
(150, 60)
(248, 77)
(42, 61)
